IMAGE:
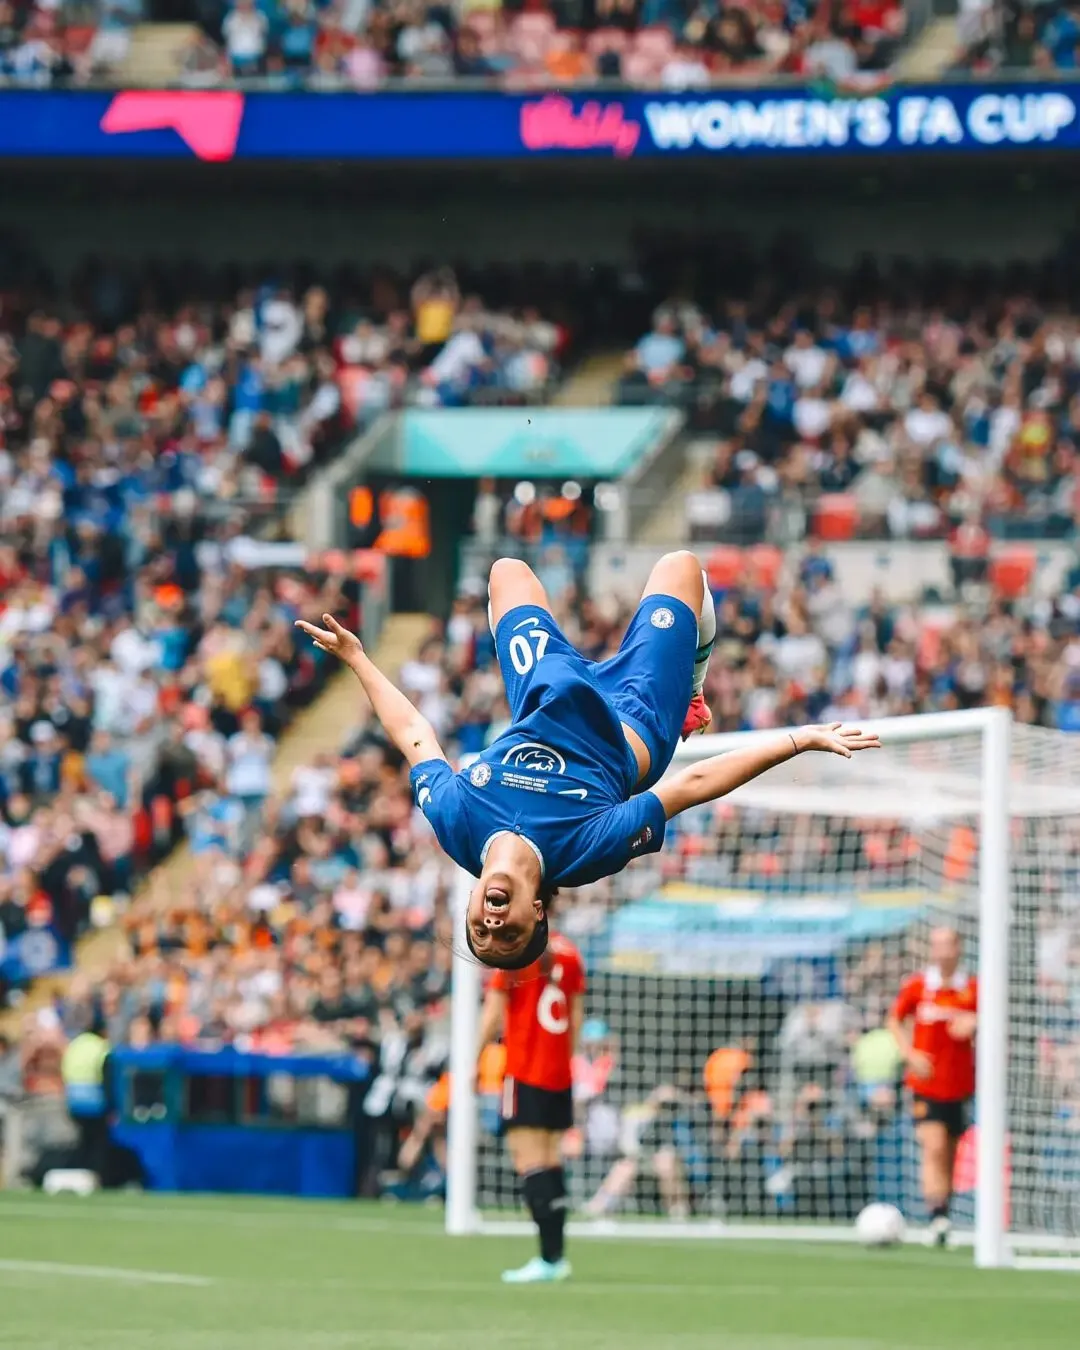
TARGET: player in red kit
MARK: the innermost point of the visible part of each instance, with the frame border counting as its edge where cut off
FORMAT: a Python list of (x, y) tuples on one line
[(538, 1012), (934, 1021)]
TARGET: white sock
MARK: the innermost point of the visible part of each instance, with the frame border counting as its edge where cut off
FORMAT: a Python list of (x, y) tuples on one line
[(706, 636)]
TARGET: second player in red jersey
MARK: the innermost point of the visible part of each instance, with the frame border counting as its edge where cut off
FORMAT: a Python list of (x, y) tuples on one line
[(538, 1012), (934, 1021), (537, 1030)]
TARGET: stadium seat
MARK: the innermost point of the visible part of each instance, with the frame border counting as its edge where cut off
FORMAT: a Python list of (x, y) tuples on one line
[(1011, 572), (836, 516), (724, 567), (763, 564)]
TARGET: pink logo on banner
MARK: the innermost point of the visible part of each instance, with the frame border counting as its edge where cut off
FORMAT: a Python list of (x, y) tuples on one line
[(552, 124), (207, 123)]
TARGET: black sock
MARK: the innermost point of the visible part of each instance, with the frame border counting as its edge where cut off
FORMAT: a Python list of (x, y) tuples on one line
[(940, 1211), (545, 1195)]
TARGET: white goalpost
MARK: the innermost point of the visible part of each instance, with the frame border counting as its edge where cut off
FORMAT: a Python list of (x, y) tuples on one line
[(737, 1079)]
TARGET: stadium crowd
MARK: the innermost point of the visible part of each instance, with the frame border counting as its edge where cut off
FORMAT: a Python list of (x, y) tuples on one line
[(1013, 36), (907, 404), (142, 667), (319, 921), (672, 44), (53, 42), (140, 658)]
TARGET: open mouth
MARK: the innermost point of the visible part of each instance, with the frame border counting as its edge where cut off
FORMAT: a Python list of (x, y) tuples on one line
[(496, 898)]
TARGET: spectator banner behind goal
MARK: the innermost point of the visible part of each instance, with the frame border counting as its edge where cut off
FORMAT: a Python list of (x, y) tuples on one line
[(221, 125)]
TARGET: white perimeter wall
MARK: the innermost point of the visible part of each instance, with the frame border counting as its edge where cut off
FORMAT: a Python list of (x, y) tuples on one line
[(902, 570)]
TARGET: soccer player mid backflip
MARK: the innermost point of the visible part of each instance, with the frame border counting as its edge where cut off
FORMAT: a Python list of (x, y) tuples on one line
[(571, 791)]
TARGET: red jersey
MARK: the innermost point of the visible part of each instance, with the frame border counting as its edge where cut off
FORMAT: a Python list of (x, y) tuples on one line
[(537, 1031), (933, 1001)]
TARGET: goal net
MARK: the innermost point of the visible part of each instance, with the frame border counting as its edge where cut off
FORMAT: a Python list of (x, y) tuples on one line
[(735, 1075)]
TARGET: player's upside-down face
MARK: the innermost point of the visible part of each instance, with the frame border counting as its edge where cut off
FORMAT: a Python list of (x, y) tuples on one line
[(504, 910)]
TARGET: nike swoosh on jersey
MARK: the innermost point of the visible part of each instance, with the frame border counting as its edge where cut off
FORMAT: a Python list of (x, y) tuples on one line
[(574, 792), (533, 618)]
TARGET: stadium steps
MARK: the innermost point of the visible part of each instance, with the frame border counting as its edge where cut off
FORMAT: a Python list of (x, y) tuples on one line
[(154, 58), (932, 51), (322, 726), (666, 526), (592, 384)]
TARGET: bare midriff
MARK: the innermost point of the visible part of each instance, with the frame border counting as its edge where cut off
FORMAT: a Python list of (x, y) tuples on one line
[(640, 749)]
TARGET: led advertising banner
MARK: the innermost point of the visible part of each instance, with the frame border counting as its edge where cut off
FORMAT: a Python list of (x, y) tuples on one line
[(221, 125)]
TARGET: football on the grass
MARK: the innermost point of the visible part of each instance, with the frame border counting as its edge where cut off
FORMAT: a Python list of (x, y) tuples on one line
[(880, 1226)]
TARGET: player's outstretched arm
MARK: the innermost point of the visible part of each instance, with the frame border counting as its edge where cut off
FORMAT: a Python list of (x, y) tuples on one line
[(410, 731), (721, 774)]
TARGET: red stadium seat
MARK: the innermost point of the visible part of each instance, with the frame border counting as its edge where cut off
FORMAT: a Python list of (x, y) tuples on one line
[(836, 516), (763, 564), (724, 567), (1011, 572)]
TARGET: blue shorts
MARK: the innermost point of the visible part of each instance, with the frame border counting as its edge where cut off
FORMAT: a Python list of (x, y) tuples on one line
[(649, 680), (647, 683)]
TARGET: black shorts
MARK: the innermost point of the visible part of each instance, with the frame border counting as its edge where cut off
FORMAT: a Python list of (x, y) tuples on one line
[(536, 1108), (953, 1115)]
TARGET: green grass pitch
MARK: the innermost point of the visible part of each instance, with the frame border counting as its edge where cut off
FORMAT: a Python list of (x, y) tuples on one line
[(153, 1272)]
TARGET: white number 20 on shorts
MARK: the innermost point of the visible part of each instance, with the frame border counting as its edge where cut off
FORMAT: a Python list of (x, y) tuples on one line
[(521, 654)]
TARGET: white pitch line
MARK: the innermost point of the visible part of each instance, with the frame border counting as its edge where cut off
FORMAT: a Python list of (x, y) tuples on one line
[(119, 1273)]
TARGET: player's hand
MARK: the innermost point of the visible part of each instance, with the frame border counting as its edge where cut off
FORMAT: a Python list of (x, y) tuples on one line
[(835, 739), (962, 1026), (335, 639), (920, 1064)]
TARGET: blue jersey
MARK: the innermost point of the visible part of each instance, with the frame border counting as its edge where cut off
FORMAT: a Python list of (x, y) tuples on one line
[(563, 776)]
